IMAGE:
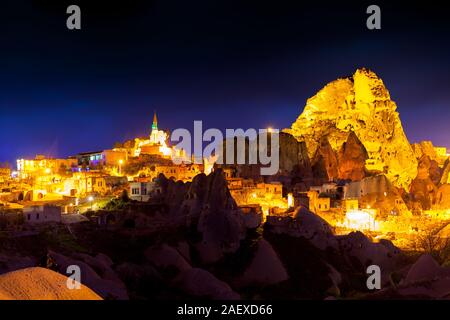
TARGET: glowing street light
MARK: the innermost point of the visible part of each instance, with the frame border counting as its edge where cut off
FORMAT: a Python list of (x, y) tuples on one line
[(120, 166), (91, 200), (290, 200), (360, 220)]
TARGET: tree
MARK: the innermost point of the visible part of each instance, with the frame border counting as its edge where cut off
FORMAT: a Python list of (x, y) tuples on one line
[(430, 241)]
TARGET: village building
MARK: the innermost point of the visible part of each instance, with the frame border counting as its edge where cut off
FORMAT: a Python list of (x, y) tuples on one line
[(42, 166), (318, 202), (42, 214), (350, 204), (90, 159), (5, 174), (143, 191), (115, 157)]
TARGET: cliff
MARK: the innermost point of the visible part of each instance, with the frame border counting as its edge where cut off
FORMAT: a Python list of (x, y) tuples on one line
[(362, 104)]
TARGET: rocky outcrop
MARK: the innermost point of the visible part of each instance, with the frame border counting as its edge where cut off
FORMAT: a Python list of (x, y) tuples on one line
[(428, 169), (426, 148), (324, 162), (97, 274), (207, 205), (220, 223), (142, 280), (41, 284), (445, 178), (443, 197), (303, 223), (184, 249), (361, 104), (352, 159), (265, 268), (423, 189), (357, 248), (323, 260), (426, 279), (253, 219), (293, 159), (164, 256), (201, 283), (426, 268), (423, 167), (435, 172), (178, 273)]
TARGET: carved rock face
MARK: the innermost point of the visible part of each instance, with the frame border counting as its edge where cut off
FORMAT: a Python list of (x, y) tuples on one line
[(424, 148), (293, 159), (206, 202), (352, 159), (325, 163), (361, 104), (445, 178), (443, 197), (428, 168), (423, 188)]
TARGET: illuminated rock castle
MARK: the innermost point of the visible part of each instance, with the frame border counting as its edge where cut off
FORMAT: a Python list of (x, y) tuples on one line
[(361, 104)]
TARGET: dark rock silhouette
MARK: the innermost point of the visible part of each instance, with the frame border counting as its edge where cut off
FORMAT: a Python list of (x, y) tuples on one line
[(352, 159), (324, 162)]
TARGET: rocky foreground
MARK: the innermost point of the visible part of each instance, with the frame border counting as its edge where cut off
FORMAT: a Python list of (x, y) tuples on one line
[(40, 284), (211, 253)]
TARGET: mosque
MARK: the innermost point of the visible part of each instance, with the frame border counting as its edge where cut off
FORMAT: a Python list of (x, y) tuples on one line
[(156, 144)]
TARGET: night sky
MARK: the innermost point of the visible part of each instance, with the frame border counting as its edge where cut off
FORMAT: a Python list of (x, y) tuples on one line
[(232, 64)]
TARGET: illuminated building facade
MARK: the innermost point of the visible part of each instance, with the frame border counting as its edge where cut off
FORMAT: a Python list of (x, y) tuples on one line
[(41, 166), (5, 174), (156, 144), (441, 152)]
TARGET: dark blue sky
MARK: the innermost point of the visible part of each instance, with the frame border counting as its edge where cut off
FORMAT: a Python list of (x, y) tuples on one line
[(229, 63)]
